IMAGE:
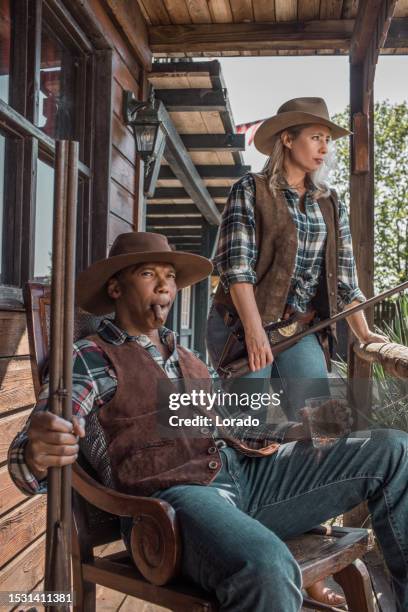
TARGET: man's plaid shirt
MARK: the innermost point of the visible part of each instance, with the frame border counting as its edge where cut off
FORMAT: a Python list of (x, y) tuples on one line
[(237, 253), (94, 384)]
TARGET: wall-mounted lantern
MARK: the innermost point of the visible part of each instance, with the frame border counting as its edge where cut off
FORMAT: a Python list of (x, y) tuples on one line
[(149, 135)]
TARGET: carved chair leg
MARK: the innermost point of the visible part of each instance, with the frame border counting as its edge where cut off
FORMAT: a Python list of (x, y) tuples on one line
[(84, 591), (356, 584)]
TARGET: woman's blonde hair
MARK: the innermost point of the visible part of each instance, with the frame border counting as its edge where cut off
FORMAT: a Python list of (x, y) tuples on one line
[(274, 166)]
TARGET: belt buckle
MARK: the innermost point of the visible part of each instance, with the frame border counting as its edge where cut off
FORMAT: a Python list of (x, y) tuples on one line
[(288, 330)]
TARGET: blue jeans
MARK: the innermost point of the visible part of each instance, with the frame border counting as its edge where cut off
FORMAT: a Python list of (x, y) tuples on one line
[(301, 369), (232, 529)]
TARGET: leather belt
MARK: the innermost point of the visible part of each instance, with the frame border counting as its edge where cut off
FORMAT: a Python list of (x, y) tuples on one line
[(276, 330)]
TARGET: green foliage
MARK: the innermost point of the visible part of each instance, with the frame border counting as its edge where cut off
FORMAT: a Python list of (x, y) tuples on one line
[(392, 410), (391, 189)]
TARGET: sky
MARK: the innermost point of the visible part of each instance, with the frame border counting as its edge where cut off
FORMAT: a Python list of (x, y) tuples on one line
[(257, 86)]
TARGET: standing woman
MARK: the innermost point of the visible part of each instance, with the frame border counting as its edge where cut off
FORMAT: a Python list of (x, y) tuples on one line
[(284, 248)]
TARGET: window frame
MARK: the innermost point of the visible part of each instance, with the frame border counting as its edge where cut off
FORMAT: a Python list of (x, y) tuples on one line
[(27, 142)]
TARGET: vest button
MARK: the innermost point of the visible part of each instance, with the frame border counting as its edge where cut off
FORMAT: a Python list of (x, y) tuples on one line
[(330, 274), (205, 430), (212, 450), (213, 465), (331, 292)]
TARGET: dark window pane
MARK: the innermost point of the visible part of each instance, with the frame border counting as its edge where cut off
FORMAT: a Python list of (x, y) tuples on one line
[(5, 40), (43, 221), (2, 163), (57, 87)]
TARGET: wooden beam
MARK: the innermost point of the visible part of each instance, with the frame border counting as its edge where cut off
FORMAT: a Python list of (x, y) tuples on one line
[(397, 36), (207, 172), (214, 142), (178, 193), (309, 35), (85, 13), (362, 185), (363, 59), (192, 241), (370, 33), (392, 357), (371, 14), (192, 100), (130, 19), (318, 34), (174, 221), (102, 155), (211, 67), (176, 232), (372, 24), (71, 25), (18, 124), (174, 209)]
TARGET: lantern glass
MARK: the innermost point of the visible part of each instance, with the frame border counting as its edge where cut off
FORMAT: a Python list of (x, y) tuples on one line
[(145, 137)]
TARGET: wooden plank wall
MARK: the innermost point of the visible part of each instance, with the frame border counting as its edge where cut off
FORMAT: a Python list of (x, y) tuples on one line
[(124, 187), (22, 519)]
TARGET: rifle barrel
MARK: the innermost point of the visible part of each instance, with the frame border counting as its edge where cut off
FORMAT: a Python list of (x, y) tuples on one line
[(58, 540), (341, 315)]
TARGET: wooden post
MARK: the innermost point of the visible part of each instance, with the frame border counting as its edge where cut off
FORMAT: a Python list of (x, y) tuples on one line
[(202, 290), (362, 226), (362, 181), (139, 211), (370, 31)]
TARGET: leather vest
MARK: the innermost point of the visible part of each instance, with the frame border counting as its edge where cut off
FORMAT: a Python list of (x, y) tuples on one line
[(276, 240), (143, 459)]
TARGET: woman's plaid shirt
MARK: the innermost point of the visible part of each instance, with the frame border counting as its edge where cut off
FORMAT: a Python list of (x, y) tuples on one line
[(237, 253)]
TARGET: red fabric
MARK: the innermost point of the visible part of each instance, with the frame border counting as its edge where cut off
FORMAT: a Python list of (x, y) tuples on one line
[(249, 128)]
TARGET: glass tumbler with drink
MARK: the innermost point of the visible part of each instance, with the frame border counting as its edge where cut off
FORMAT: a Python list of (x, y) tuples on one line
[(328, 419)]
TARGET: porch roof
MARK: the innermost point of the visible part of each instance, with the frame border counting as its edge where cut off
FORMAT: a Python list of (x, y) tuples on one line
[(182, 28)]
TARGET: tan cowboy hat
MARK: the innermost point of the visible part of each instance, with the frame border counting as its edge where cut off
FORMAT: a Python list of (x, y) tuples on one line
[(129, 249), (298, 111)]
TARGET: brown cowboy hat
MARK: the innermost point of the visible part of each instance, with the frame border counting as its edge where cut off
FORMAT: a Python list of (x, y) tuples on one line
[(298, 111), (129, 249)]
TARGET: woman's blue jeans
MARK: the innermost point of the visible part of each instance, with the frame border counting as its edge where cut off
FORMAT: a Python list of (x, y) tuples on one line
[(232, 530), (301, 369)]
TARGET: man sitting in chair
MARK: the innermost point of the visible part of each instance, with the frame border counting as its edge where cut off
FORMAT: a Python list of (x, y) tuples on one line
[(236, 500)]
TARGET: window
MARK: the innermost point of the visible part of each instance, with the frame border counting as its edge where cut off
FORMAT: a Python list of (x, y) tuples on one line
[(48, 91), (186, 331), (43, 221), (186, 308), (5, 46), (57, 87)]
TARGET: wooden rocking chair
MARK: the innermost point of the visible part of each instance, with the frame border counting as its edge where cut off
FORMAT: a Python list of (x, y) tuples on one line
[(153, 573)]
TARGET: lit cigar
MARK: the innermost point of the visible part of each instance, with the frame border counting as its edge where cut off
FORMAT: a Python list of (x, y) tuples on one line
[(157, 309)]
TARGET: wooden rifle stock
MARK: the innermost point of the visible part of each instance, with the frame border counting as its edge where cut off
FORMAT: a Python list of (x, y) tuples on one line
[(58, 538)]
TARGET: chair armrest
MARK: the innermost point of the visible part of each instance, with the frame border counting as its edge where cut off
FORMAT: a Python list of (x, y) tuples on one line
[(155, 538)]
